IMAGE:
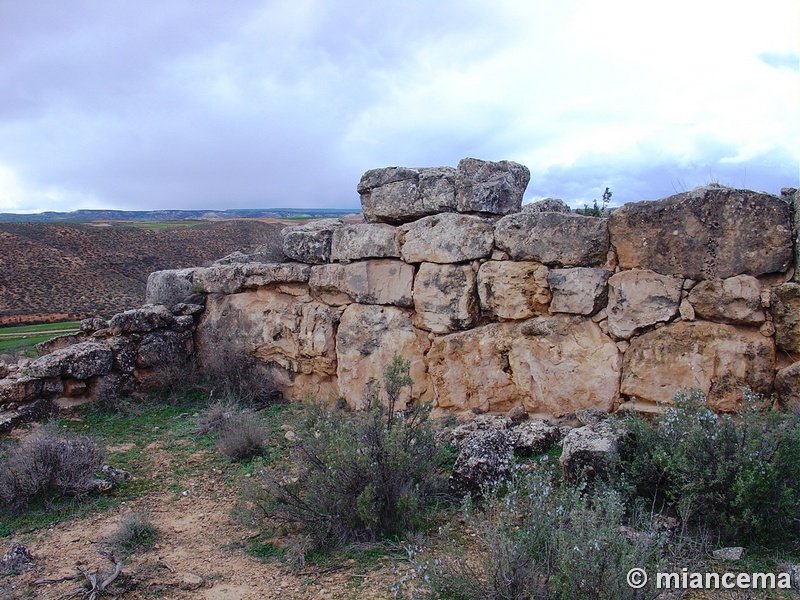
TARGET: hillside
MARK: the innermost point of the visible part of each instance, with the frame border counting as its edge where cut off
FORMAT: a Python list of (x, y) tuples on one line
[(92, 269)]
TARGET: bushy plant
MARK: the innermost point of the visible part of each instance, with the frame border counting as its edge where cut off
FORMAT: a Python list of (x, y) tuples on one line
[(46, 466), (355, 476), (242, 436), (734, 474), (542, 539), (136, 531)]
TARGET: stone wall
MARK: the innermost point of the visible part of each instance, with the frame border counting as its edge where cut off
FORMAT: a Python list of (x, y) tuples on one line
[(496, 305)]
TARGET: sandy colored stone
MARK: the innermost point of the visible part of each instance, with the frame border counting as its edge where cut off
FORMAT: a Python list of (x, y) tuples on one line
[(379, 281), (367, 339), (400, 194), (785, 310), (735, 300), (364, 240), (556, 364), (444, 297), (555, 239), (640, 298), (447, 238), (293, 335), (710, 232), (513, 290), (720, 360), (787, 386), (580, 290)]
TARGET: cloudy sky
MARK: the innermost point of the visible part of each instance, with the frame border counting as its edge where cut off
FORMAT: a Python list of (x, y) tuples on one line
[(150, 104)]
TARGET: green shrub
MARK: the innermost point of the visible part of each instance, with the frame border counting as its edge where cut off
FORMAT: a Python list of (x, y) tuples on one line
[(242, 436), (46, 466), (135, 531), (734, 474), (541, 539), (355, 476)]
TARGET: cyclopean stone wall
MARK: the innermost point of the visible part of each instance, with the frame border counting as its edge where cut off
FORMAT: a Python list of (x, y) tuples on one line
[(496, 305)]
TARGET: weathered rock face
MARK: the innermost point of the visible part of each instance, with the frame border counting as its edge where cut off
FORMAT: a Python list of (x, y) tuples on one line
[(580, 291), (399, 195), (162, 348), (719, 360), (447, 238), (640, 298), (710, 232), (557, 364), (490, 187), (513, 290), (169, 287), (235, 277), (379, 281), (141, 320), (80, 361), (293, 334), (787, 386), (367, 339), (485, 459), (445, 298), (589, 452), (364, 240), (555, 239), (785, 309), (736, 300), (547, 205), (310, 243)]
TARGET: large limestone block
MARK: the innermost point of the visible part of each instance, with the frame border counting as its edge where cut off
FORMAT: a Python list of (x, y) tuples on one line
[(164, 348), (364, 240), (310, 243), (785, 309), (547, 205), (710, 232), (720, 360), (787, 386), (141, 320), (294, 335), (580, 290), (380, 281), (735, 300), (79, 361), (169, 287), (555, 239), (367, 339), (399, 194), (447, 238), (640, 298), (513, 290), (490, 187), (445, 298), (232, 278), (557, 364)]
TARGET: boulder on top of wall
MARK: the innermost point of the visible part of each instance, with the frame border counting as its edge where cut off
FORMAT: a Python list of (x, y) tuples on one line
[(555, 239), (310, 243), (710, 232), (234, 277), (365, 240), (580, 290), (263, 253), (169, 287), (785, 310), (490, 187), (557, 364), (59, 342), (141, 320), (379, 281), (446, 238), (640, 298), (399, 194), (444, 297), (513, 290), (80, 361), (366, 341), (735, 300), (547, 205), (719, 360)]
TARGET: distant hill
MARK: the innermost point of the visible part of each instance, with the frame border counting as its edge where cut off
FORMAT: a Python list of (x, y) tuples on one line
[(84, 216), (87, 269)]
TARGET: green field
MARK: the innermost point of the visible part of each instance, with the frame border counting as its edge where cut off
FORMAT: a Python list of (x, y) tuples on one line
[(23, 338)]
